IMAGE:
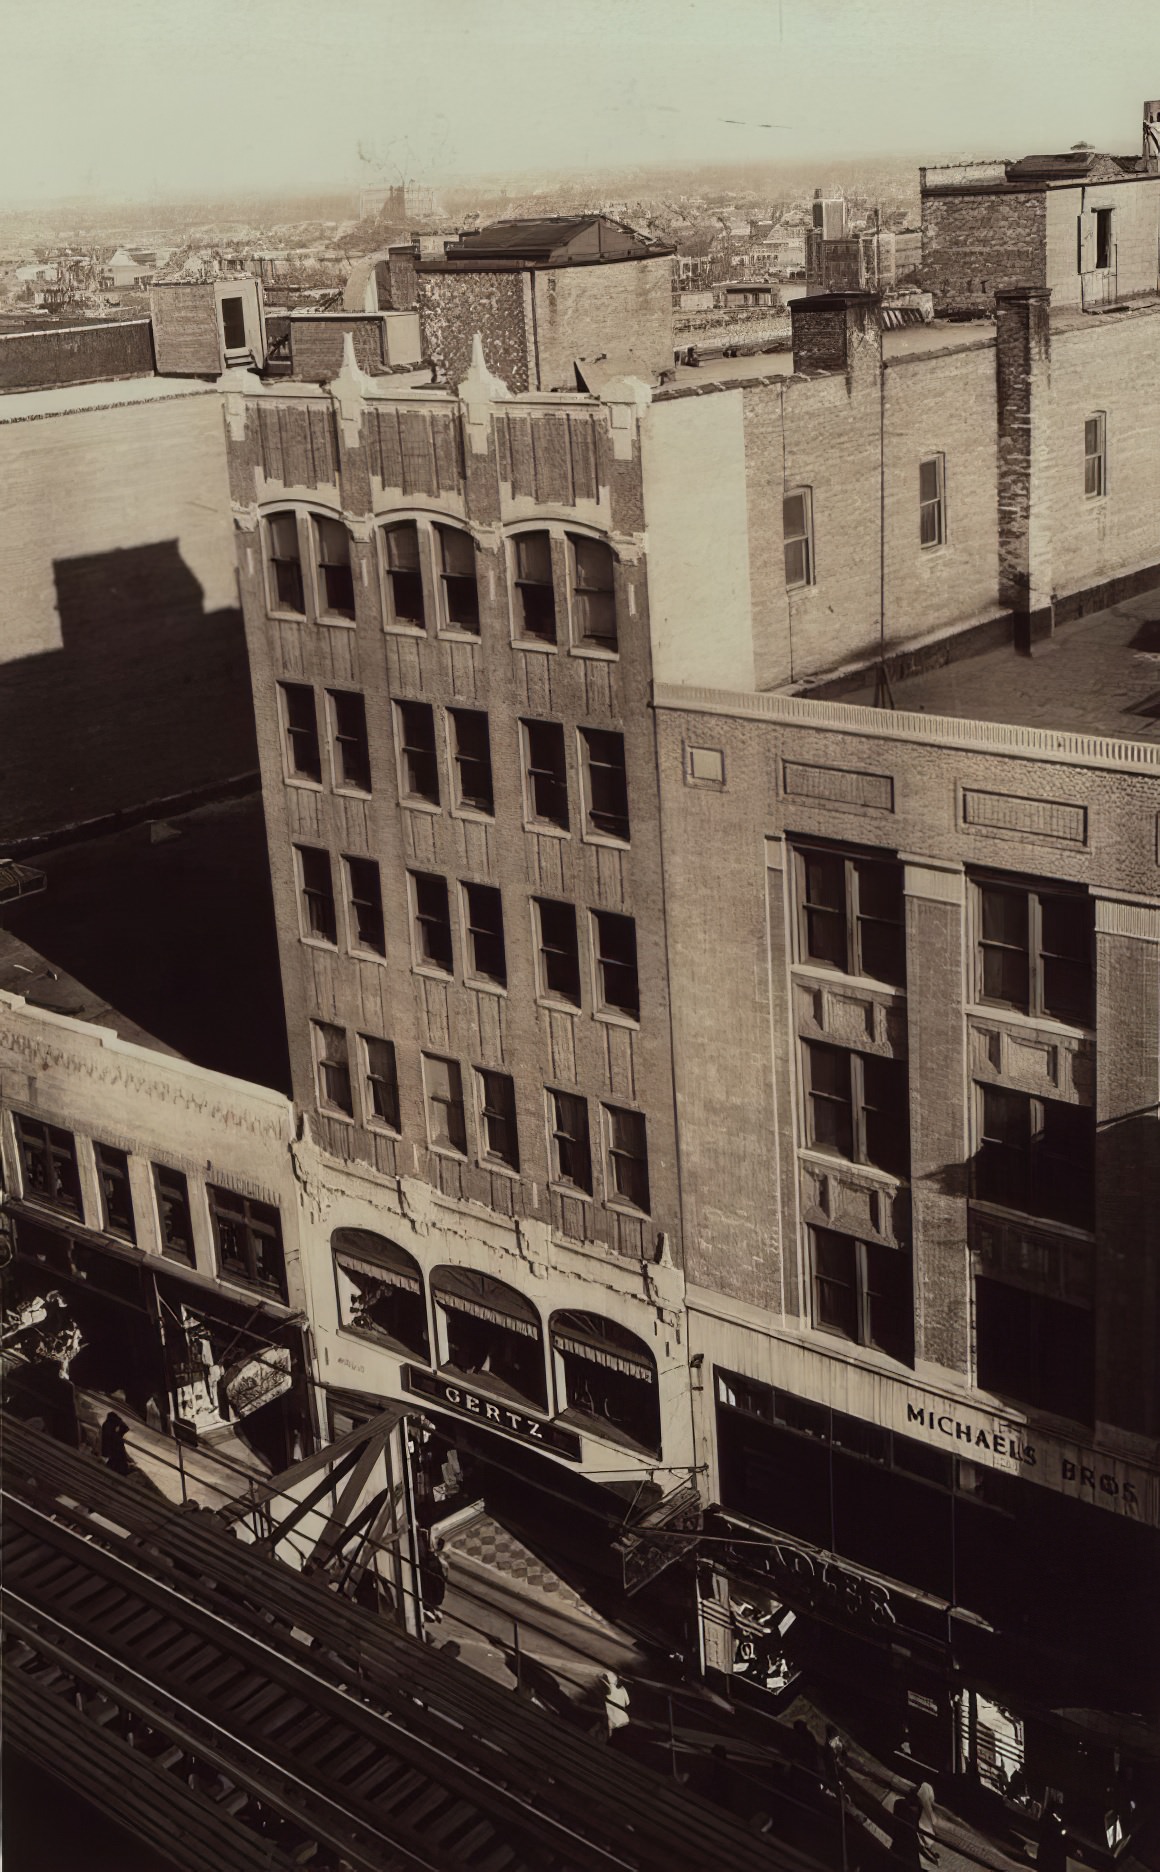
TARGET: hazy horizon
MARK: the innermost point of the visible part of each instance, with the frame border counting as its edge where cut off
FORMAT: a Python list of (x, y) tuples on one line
[(135, 102)]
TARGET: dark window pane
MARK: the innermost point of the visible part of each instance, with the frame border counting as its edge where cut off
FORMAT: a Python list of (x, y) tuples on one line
[(366, 904), (432, 921), (116, 1200), (1006, 976), (547, 773), (607, 782), (1034, 1349), (886, 1114), (889, 1301), (928, 480), (535, 594), (559, 950), (173, 1213), (352, 756), (233, 323), (628, 1156), (382, 1081), (301, 718), (1002, 1163), (485, 932), (1066, 947), (472, 759), (571, 1147), (1063, 1164), (460, 591), (318, 894), (1004, 914), (835, 1283), (285, 564), (498, 1110), (404, 579), (616, 962), (831, 1110), (881, 942), (824, 897), (336, 585), (334, 1087), (420, 766), (593, 598), (448, 1125)]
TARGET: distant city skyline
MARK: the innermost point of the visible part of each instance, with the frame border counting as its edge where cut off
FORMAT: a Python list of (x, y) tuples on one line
[(132, 100)]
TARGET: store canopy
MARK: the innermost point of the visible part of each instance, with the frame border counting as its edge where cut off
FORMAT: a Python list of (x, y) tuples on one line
[(602, 1342), (360, 1251), (465, 1291)]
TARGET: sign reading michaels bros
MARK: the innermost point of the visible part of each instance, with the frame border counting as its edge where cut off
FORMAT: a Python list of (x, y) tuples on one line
[(1071, 1470)]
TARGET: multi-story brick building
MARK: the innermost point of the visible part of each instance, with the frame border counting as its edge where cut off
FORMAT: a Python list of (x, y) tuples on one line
[(851, 1016)]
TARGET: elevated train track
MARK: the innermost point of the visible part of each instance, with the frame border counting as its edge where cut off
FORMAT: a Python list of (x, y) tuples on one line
[(235, 1714)]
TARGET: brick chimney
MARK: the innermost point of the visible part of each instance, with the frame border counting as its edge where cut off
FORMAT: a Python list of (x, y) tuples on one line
[(836, 332)]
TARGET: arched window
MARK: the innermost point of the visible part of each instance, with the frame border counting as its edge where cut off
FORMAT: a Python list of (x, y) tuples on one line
[(308, 566), (429, 564), (593, 594), (380, 1290), (607, 1377), (489, 1334)]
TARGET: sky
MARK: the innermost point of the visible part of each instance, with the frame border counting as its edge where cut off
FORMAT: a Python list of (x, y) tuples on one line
[(140, 99)]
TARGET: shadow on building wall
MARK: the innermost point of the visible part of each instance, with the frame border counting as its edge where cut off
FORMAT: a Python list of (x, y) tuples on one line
[(147, 698)]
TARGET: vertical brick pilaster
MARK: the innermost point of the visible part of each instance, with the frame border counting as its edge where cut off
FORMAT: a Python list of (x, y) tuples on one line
[(781, 1040), (935, 914), (1023, 368), (1127, 1164)]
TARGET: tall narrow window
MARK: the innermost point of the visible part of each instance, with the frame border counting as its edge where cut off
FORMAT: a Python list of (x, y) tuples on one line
[(487, 959), (248, 1237), (335, 581), (605, 783), (932, 501), (797, 526), (365, 896), (300, 729), (571, 1146), (497, 1112), (593, 593), (1035, 1348), (1035, 950), (432, 921), (446, 1123), (1095, 460), (418, 763), (173, 1213), (381, 1082), (858, 1106), (535, 593), (850, 914), (627, 1157), (472, 748), (1036, 1155), (287, 589), (352, 754), (318, 915), (619, 989), (1104, 248), (404, 578), (48, 1160), (333, 1062), (457, 570), (559, 951), (116, 1198), (546, 773)]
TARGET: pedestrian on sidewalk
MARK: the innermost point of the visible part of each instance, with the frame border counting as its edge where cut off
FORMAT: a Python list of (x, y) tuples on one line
[(433, 1577), (615, 1703), (905, 1839), (114, 1430)]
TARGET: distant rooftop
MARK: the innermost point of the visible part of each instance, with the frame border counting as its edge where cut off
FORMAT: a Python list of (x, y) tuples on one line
[(1065, 169), (25, 972), (554, 240), (1097, 675)]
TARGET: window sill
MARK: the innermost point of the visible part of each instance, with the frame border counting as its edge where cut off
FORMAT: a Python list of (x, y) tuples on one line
[(447, 633), (596, 652), (368, 955), (473, 815), (56, 1210), (406, 630), (482, 986), (619, 1205), (545, 829), (1022, 1218), (336, 1116), (498, 1167), (419, 805), (432, 974), (338, 623), (304, 783), (612, 1017), (572, 1191), (536, 645), (999, 1010), (559, 1007), (381, 1128), (287, 617), (319, 942), (445, 1150), (802, 591), (607, 840), (823, 973), (886, 1361), (353, 792), (832, 1160)]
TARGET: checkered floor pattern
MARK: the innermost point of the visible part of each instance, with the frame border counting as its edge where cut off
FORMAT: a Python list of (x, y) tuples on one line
[(486, 1542)]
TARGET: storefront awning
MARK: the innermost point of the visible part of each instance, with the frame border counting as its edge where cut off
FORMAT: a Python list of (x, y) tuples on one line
[(467, 1292), (380, 1271), (599, 1352)]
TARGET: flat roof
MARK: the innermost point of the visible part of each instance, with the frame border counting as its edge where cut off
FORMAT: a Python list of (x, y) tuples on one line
[(897, 344), (109, 393), (25, 972), (1097, 675)]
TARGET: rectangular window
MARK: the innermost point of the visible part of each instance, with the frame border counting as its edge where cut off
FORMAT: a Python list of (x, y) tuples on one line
[(404, 578), (365, 897), (352, 754), (535, 591), (497, 1110), (300, 731), (546, 773), (605, 783), (318, 915), (335, 581), (487, 959), (932, 501), (858, 1106), (248, 1238), (1036, 1156), (863, 1292), (593, 593), (559, 950), (234, 323), (285, 563), (1095, 457), (1103, 237), (616, 976), (471, 745), (1035, 951), (850, 914), (446, 1123), (1034, 1349), (381, 1082), (571, 1146), (418, 762), (432, 922), (457, 571), (116, 1197), (797, 527), (332, 1059), (173, 1214), (627, 1157)]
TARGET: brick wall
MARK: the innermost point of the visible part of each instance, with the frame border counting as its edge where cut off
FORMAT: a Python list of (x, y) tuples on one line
[(123, 650), (734, 1017), (186, 334), (1135, 207), (316, 345), (454, 306), (37, 360), (974, 246), (622, 309)]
